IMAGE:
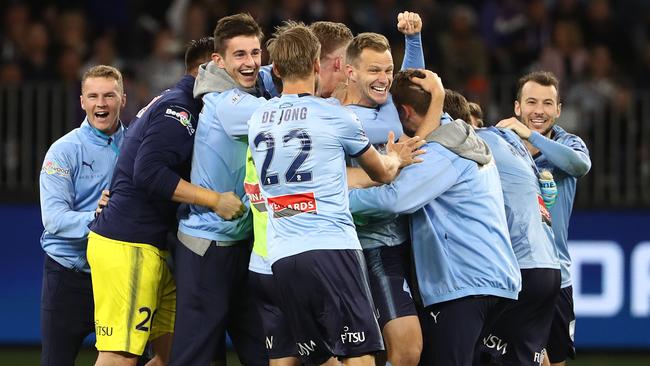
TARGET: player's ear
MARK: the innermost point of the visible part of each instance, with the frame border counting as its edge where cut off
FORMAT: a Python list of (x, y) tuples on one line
[(349, 72), (517, 109), (276, 71), (559, 110), (218, 60), (338, 61), (317, 65)]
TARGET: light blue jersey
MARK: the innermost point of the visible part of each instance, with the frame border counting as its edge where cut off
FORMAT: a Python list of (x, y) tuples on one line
[(76, 169), (390, 230), (528, 218), (219, 157), (377, 122), (567, 157), (459, 232), (299, 144)]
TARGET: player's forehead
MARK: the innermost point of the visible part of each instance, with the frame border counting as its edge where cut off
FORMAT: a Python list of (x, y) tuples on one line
[(369, 56), (242, 43), (537, 91), (100, 84)]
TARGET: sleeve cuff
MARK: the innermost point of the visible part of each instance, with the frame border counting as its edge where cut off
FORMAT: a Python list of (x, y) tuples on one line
[(362, 151)]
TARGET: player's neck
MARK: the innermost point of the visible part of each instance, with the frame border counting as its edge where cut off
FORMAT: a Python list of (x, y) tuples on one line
[(299, 86)]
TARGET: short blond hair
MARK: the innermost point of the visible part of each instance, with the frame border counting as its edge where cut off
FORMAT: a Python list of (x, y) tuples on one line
[(331, 36), (293, 50), (103, 71), (373, 41)]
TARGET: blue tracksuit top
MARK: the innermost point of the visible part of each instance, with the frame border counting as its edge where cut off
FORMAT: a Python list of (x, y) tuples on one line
[(528, 219), (154, 157), (567, 157), (76, 168), (459, 232)]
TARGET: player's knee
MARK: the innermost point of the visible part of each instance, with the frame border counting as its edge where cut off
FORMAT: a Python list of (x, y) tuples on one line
[(406, 354)]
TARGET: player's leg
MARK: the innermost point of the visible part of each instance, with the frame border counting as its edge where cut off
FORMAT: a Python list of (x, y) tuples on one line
[(523, 328), (327, 301), (67, 313), (279, 343), (126, 282), (397, 316), (245, 326), (560, 340), (451, 329), (204, 284)]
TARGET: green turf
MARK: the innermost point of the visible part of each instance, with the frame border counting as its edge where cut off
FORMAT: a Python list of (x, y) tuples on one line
[(30, 357)]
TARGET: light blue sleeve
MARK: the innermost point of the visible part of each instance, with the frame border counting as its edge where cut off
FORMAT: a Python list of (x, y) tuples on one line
[(57, 193), (415, 186), (350, 133), (234, 109), (572, 157), (413, 54)]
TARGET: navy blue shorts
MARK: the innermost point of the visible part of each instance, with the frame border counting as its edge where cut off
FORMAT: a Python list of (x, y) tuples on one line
[(326, 298), (387, 271), (67, 312), (451, 330), (213, 296), (560, 340), (279, 341), (521, 332)]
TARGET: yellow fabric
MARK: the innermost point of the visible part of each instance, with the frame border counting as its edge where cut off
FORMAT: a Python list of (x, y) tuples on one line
[(134, 293), (260, 218)]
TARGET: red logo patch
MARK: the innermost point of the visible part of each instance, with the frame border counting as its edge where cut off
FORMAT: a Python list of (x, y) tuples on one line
[(293, 204), (255, 196), (546, 215)]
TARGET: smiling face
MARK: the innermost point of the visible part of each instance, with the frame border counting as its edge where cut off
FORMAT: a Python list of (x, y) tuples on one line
[(372, 75), (538, 107), (241, 59), (102, 99)]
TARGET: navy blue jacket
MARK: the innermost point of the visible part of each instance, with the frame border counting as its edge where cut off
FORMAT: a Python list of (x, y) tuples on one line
[(155, 155)]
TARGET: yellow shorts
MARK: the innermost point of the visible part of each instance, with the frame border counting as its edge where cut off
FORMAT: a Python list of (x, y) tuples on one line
[(134, 292)]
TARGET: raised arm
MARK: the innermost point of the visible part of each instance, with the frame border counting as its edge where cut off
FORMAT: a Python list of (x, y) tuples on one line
[(410, 24)]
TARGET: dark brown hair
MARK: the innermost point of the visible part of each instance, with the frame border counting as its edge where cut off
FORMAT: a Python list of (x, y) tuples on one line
[(229, 27), (544, 78)]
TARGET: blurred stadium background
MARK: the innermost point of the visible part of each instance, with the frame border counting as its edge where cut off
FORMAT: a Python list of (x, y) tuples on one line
[(600, 49)]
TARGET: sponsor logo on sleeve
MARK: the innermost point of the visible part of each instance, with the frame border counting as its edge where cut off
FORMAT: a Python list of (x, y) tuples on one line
[(182, 115), (51, 167), (255, 196), (293, 204)]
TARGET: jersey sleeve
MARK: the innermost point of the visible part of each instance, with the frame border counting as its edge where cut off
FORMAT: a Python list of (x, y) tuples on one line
[(569, 153), (166, 144), (414, 187), (350, 134), (234, 110), (413, 54), (57, 195)]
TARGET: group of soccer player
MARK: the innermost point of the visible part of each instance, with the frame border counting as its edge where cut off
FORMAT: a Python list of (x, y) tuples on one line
[(319, 210)]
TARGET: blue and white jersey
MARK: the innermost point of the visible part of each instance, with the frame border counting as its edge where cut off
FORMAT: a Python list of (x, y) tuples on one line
[(567, 157), (76, 168), (299, 144), (528, 218), (390, 230), (459, 232)]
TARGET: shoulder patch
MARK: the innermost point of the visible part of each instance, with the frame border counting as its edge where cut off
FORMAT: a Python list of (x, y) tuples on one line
[(182, 115), (51, 167)]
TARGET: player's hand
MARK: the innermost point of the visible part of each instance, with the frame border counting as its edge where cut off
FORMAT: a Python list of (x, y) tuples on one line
[(229, 206), (519, 128), (407, 150), (548, 188), (430, 82), (103, 201), (409, 23)]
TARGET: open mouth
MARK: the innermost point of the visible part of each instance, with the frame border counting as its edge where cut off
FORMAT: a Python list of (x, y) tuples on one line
[(101, 114), (247, 73), (379, 89)]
